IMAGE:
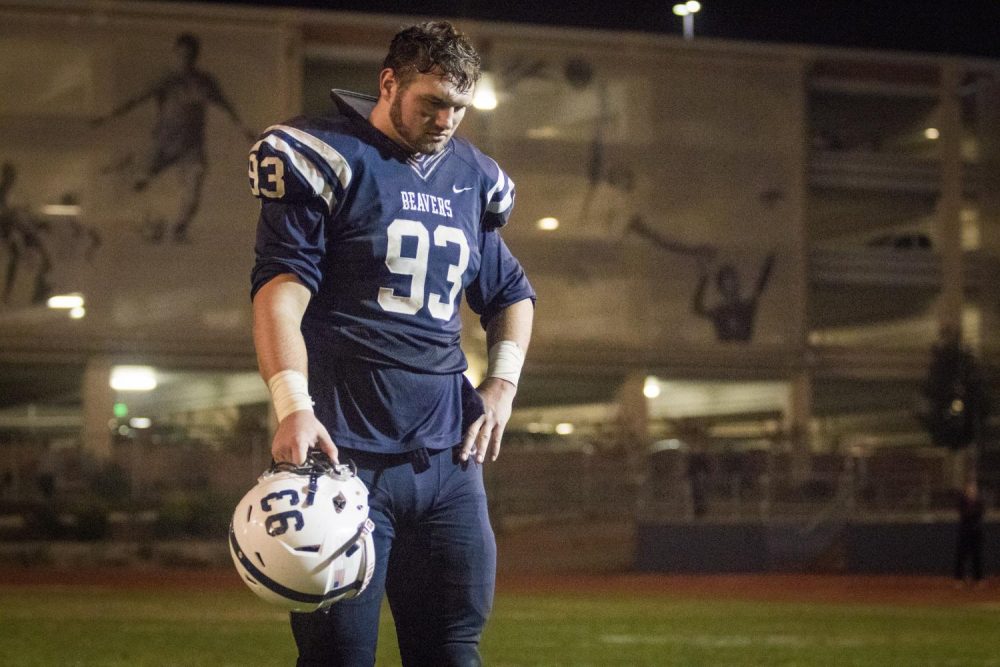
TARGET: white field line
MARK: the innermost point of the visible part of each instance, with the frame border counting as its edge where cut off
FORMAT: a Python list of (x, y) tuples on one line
[(738, 641)]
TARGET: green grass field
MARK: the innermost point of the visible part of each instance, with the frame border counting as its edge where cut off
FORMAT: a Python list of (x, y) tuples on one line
[(49, 625)]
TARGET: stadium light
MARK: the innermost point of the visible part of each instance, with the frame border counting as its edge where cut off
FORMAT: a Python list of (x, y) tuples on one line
[(133, 378), (548, 224), (71, 210), (686, 11), (65, 301), (651, 387), (485, 97)]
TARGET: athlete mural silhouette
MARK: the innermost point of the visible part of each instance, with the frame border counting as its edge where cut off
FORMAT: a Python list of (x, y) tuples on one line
[(21, 238), (28, 239), (182, 98), (703, 252), (734, 315)]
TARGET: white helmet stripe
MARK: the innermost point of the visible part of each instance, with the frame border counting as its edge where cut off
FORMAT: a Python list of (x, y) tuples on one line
[(284, 591)]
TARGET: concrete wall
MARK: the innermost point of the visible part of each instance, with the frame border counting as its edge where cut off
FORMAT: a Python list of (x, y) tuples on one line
[(861, 547)]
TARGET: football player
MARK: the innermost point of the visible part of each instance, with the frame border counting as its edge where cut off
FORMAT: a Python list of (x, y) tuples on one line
[(375, 220)]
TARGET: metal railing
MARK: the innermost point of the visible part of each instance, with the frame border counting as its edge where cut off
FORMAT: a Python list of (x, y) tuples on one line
[(532, 481)]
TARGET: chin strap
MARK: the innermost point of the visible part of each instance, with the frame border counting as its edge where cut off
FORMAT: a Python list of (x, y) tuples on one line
[(313, 476)]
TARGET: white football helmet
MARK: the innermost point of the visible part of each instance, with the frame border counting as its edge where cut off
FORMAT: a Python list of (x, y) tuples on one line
[(301, 537)]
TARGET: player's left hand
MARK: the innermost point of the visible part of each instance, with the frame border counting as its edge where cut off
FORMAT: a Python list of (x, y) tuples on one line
[(484, 434)]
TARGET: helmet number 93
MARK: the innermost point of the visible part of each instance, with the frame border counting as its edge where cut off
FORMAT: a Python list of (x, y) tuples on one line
[(278, 523)]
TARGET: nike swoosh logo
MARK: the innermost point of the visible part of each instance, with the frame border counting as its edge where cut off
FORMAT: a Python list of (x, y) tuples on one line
[(458, 190)]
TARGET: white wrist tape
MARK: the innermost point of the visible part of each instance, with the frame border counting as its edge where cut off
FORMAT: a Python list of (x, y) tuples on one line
[(505, 361), (290, 393)]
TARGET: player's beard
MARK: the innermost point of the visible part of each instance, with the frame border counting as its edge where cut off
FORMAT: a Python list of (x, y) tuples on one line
[(421, 143)]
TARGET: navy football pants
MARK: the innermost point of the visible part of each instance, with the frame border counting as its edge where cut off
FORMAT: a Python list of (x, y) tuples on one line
[(435, 560)]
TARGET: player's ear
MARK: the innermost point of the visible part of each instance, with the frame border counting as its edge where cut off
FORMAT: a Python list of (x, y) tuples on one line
[(387, 83)]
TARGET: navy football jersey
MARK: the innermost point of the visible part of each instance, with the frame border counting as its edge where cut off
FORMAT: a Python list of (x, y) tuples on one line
[(387, 243)]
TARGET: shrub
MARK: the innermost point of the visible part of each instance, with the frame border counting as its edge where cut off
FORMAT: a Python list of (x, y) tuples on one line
[(92, 521), (196, 514)]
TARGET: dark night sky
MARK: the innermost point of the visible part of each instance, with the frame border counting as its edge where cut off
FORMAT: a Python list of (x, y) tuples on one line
[(947, 26)]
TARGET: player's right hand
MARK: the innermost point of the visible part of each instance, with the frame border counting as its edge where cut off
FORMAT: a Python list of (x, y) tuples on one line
[(296, 434)]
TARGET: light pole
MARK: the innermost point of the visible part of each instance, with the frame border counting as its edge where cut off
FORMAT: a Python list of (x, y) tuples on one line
[(687, 10)]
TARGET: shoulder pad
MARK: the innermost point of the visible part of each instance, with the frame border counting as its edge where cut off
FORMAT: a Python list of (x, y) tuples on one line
[(296, 162)]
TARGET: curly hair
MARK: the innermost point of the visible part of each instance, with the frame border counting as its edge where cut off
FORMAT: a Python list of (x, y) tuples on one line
[(434, 44)]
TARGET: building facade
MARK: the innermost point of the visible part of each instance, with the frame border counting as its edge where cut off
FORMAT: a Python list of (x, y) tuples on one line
[(736, 248)]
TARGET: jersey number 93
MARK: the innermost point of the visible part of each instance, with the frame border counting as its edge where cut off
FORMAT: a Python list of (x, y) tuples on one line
[(272, 171), (440, 307)]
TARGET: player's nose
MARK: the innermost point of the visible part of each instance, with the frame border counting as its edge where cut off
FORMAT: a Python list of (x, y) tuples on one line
[(444, 119)]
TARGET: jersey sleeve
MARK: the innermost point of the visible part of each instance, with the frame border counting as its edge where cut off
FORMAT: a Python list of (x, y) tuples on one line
[(289, 164), (499, 197), (290, 239), (501, 281), (299, 179)]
